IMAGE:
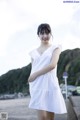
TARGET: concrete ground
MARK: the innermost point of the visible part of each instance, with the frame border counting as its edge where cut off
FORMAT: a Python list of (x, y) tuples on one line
[(17, 109)]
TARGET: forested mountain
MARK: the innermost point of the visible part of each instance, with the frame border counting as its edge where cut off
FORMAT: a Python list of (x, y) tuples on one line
[(16, 80), (70, 62)]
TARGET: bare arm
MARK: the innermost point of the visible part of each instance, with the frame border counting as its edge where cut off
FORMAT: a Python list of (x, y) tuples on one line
[(52, 65)]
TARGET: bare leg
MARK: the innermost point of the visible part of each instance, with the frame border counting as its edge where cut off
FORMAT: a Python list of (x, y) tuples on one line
[(45, 115), (50, 115)]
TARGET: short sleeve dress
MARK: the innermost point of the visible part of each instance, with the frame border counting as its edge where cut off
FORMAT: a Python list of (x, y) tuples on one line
[(45, 92)]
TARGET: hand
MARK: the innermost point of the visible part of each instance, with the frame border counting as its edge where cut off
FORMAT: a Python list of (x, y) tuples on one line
[(32, 77)]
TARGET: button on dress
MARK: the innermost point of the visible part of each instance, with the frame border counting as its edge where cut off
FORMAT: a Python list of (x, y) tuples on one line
[(45, 92)]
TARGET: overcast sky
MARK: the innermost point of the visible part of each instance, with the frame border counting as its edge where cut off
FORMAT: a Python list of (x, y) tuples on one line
[(19, 20)]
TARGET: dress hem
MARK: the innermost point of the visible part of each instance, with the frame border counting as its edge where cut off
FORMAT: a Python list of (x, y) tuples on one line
[(48, 110)]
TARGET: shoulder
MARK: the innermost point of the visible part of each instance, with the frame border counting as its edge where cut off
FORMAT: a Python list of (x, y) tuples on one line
[(57, 48), (32, 53)]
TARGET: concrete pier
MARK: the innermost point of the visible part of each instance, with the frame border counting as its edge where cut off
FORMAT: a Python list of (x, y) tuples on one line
[(17, 109)]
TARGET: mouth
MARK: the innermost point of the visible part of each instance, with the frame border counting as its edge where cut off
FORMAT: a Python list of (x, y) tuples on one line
[(45, 39)]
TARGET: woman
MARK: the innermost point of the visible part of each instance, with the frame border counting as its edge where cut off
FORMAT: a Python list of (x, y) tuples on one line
[(44, 88)]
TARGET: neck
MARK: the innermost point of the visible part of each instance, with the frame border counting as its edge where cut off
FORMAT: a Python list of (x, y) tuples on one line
[(45, 44)]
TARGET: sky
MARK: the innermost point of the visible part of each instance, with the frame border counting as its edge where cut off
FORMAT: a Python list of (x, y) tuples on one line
[(19, 20)]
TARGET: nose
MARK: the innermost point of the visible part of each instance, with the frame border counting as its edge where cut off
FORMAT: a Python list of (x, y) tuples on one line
[(45, 35)]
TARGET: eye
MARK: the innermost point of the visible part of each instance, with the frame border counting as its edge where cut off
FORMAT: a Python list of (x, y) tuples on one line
[(45, 32)]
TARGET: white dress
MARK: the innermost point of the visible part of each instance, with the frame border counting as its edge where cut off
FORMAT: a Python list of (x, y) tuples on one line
[(44, 90)]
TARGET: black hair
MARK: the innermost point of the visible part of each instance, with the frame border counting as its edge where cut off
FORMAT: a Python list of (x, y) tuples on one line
[(44, 28)]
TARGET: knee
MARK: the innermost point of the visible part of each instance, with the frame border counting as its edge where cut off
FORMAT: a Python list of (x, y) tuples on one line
[(44, 117)]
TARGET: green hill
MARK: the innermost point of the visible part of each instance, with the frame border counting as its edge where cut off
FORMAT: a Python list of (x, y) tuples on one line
[(70, 62), (15, 80)]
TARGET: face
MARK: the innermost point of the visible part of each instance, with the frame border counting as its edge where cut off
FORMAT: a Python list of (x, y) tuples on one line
[(44, 37)]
